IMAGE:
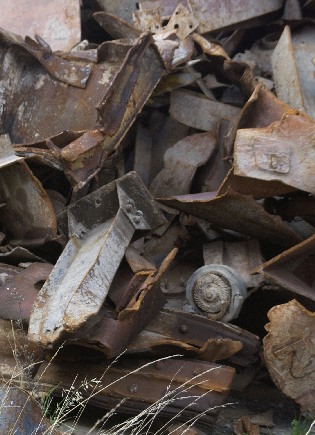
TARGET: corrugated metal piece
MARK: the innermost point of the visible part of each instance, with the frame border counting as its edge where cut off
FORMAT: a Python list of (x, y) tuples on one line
[(101, 226), (293, 69)]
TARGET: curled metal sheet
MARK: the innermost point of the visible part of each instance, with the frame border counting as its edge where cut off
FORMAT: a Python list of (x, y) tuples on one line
[(293, 269), (289, 352), (236, 212), (194, 330), (101, 226)]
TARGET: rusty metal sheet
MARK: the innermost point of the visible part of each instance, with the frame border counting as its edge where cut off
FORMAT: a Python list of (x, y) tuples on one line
[(121, 8), (28, 215), (120, 85), (166, 7), (213, 15), (293, 69), (137, 300), (180, 164), (195, 388), (101, 226), (148, 342), (196, 331), (22, 414), (236, 212), (289, 352), (255, 187), (242, 256), (284, 151), (17, 295), (56, 21), (293, 269), (198, 111)]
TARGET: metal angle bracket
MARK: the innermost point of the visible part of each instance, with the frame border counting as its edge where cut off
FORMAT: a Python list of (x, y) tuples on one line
[(100, 226)]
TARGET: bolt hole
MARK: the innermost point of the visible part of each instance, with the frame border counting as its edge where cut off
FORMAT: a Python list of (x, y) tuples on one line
[(176, 26), (98, 202)]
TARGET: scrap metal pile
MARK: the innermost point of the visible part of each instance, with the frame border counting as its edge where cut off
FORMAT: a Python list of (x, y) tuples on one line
[(157, 198)]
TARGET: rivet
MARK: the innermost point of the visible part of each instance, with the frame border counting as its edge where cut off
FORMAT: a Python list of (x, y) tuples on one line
[(133, 389), (128, 208), (183, 328), (139, 213), (136, 220)]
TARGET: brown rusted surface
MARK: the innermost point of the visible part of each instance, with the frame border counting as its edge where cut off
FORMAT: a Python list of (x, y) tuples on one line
[(236, 212), (194, 387), (293, 269), (101, 226), (289, 352), (181, 328), (56, 21), (18, 294), (283, 151), (140, 300), (115, 26), (116, 92)]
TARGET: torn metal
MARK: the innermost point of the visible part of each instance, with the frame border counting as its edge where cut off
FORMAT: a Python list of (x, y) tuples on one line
[(174, 330)]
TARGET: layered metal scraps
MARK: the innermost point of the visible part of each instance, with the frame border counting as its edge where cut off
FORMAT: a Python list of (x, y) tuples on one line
[(100, 226)]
